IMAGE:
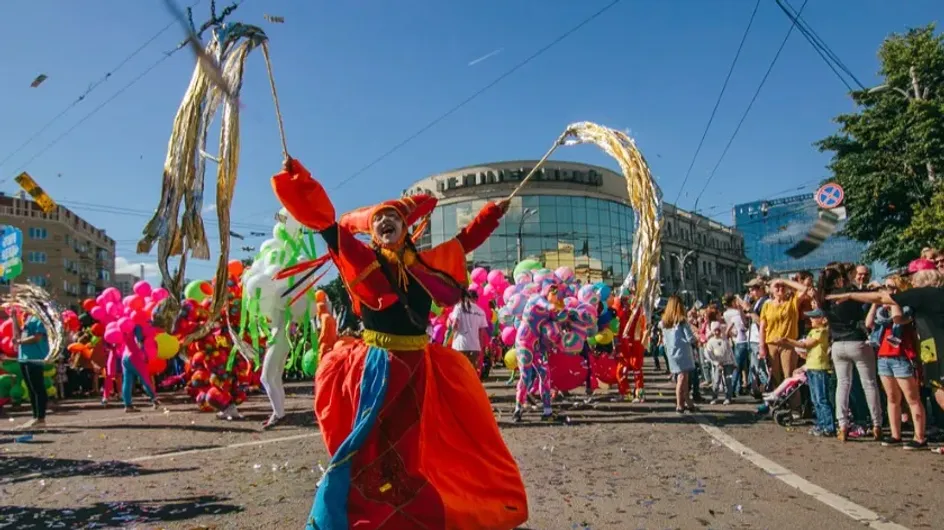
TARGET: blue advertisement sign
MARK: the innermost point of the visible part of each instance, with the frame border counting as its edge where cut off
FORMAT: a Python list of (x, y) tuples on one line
[(11, 252)]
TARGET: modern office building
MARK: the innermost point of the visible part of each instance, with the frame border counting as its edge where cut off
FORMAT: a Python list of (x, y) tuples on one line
[(62, 252), (576, 215), (771, 227)]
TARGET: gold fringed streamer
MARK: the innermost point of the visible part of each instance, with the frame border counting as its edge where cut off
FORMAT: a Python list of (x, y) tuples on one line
[(36, 301), (645, 197), (185, 167)]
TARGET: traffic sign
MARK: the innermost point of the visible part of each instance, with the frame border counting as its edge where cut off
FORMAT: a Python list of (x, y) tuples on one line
[(830, 196)]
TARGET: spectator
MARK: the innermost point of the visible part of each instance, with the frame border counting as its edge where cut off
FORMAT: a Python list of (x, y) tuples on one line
[(678, 338), (862, 277), (818, 367), (896, 355), (756, 298), (721, 357), (467, 324), (780, 319), (736, 328)]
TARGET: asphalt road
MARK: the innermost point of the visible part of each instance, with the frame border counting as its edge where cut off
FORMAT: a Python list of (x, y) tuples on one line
[(615, 466)]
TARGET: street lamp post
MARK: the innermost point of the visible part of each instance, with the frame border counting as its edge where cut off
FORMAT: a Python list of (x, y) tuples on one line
[(918, 95), (526, 213), (682, 259)]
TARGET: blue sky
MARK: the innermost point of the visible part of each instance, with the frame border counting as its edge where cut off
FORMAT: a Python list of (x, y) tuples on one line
[(356, 78)]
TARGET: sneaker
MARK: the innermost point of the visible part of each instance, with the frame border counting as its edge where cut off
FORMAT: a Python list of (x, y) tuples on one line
[(516, 416), (680, 412), (726, 402), (888, 441), (32, 424), (271, 422), (817, 432), (914, 445), (713, 402)]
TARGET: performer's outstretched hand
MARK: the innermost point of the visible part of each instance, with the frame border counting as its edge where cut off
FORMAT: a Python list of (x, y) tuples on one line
[(503, 205)]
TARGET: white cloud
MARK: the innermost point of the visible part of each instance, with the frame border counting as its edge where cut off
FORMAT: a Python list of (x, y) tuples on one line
[(209, 209), (123, 266)]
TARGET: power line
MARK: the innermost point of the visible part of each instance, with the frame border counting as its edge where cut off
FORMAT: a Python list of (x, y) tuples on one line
[(91, 88), (475, 95), (751, 104), (104, 208), (819, 45), (714, 111)]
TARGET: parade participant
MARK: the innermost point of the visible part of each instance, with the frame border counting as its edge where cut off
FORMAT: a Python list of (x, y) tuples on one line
[(404, 420), (273, 367), (134, 366), (33, 349), (112, 372), (631, 351), (537, 334)]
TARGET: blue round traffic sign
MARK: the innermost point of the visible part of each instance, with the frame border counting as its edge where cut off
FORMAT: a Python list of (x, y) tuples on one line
[(830, 196)]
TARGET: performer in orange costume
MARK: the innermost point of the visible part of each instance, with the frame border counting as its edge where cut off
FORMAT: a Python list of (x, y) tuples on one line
[(404, 420), (631, 350)]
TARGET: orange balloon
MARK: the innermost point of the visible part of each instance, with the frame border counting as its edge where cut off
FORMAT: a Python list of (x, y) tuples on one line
[(235, 268), (156, 365)]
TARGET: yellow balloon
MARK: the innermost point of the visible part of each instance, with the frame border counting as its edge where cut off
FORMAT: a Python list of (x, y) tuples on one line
[(511, 359), (604, 337), (167, 345), (49, 371)]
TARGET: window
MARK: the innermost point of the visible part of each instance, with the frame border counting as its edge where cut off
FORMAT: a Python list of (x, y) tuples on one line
[(37, 257), (104, 275), (38, 233), (39, 281)]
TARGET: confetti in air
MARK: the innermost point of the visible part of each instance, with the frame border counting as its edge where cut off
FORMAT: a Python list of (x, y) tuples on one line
[(274, 19)]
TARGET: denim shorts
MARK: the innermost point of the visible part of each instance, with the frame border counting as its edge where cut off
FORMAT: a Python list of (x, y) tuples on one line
[(898, 367)]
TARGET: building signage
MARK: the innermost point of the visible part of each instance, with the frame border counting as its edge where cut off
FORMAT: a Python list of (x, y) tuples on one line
[(587, 177), (11, 252)]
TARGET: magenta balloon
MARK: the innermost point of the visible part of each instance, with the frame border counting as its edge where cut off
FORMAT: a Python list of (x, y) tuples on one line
[(114, 337), (142, 289), (98, 313), (479, 275), (150, 347), (508, 335), (489, 292), (112, 294), (496, 278), (159, 294), (126, 325), (475, 288)]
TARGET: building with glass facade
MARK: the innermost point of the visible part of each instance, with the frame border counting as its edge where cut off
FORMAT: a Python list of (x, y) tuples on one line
[(569, 214), (771, 227)]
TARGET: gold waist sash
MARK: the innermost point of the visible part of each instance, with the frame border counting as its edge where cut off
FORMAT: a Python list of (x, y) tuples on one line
[(388, 341)]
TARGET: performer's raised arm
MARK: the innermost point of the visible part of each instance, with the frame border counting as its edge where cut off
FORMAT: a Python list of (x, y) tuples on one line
[(475, 233), (305, 198)]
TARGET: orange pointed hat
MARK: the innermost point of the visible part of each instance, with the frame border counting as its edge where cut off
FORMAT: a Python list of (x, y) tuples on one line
[(411, 209)]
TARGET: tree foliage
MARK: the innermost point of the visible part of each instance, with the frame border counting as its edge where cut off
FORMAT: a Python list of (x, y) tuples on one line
[(341, 302), (884, 153)]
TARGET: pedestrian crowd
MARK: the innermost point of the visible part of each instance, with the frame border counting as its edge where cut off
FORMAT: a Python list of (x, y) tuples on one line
[(840, 349)]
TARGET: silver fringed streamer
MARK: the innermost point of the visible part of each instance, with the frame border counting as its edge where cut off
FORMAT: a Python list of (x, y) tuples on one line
[(185, 167), (645, 197), (37, 302)]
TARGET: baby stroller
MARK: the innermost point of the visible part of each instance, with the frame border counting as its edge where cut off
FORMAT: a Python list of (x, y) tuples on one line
[(777, 403)]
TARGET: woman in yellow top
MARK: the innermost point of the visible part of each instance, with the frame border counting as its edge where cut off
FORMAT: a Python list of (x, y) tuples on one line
[(780, 319)]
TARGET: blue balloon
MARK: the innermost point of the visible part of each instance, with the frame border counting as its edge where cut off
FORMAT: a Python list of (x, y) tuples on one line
[(603, 289)]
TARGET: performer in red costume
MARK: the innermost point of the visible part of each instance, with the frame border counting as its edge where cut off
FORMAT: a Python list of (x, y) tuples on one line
[(404, 420), (631, 351)]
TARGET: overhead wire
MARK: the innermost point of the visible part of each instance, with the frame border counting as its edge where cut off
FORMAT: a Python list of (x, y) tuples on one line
[(91, 88), (822, 49), (750, 105), (714, 111)]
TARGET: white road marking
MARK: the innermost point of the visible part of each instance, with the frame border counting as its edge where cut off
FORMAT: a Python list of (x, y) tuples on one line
[(836, 502)]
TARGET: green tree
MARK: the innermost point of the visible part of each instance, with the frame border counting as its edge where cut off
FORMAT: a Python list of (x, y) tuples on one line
[(341, 302), (889, 155)]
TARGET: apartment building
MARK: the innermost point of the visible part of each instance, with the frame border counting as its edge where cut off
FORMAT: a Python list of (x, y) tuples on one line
[(62, 252)]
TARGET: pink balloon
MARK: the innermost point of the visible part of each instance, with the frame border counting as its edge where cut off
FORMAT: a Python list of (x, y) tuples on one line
[(508, 335), (475, 288), (509, 291), (479, 275), (488, 292), (98, 313), (114, 337), (142, 288), (496, 278), (159, 294), (115, 309), (112, 295), (126, 325)]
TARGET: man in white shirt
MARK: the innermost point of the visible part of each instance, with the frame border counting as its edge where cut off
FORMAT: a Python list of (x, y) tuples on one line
[(757, 297), (467, 323)]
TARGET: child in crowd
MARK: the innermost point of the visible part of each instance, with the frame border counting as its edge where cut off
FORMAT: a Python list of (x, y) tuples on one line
[(721, 356), (818, 368)]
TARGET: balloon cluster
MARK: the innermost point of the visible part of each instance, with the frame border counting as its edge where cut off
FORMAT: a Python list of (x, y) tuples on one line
[(13, 387), (568, 304), (214, 374), (117, 318)]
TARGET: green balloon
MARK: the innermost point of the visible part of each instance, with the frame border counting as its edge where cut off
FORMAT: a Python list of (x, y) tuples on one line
[(193, 291), (13, 367), (309, 363), (6, 384), (527, 265), (435, 309), (17, 393), (592, 340), (614, 325)]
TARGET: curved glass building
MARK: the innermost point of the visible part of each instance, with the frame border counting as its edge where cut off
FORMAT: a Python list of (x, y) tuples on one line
[(569, 214)]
